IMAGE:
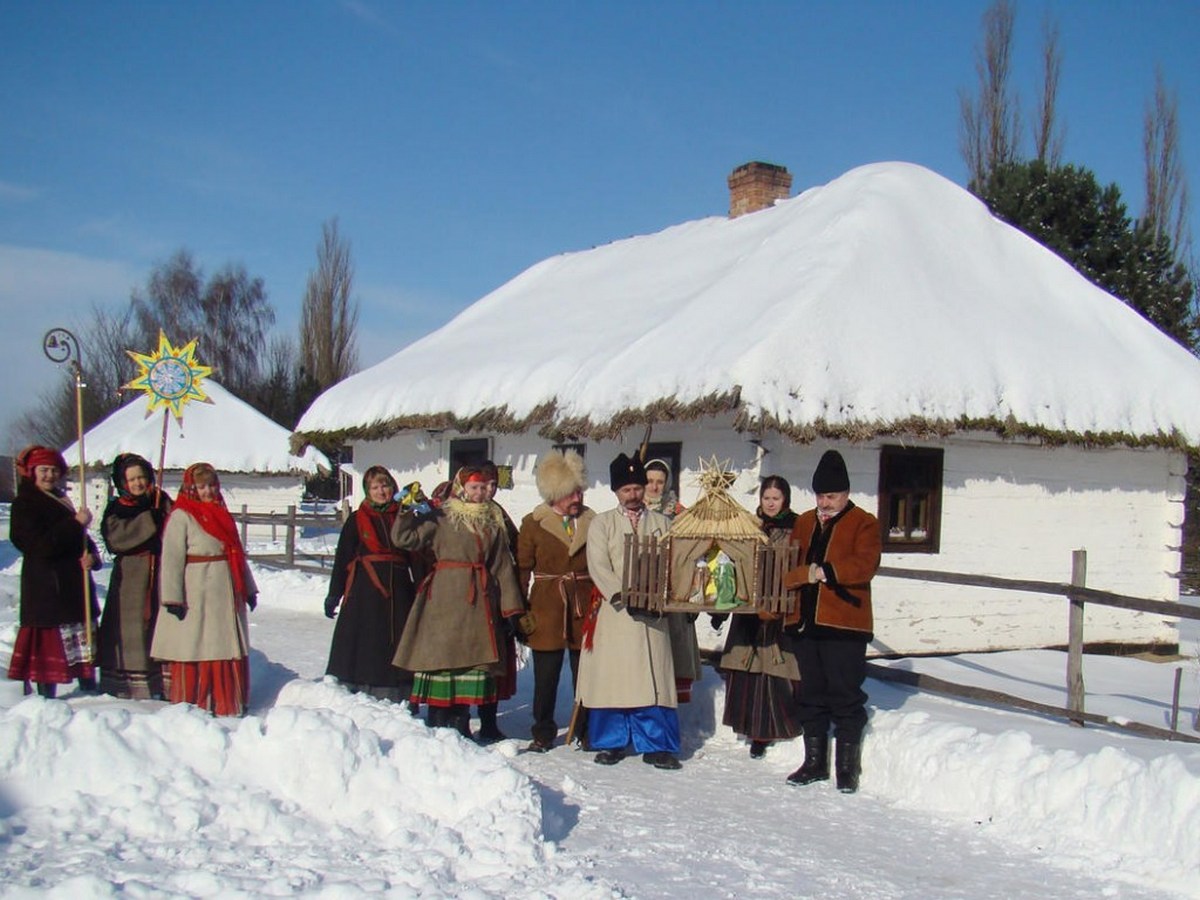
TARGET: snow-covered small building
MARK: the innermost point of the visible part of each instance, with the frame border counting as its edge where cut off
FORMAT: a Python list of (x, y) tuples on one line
[(249, 451), (996, 410)]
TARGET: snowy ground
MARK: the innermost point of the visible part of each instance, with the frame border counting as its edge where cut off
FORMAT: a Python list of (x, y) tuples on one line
[(320, 793)]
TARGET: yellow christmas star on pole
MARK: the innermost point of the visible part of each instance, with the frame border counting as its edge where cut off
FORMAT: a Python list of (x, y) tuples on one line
[(170, 376)]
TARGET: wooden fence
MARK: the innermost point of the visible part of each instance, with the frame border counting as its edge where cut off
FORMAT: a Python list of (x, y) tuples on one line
[(1077, 594), (290, 523)]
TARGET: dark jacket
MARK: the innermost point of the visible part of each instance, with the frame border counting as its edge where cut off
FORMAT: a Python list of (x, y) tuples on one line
[(51, 541)]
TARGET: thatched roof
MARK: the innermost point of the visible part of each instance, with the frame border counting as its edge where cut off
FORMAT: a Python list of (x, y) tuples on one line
[(886, 302)]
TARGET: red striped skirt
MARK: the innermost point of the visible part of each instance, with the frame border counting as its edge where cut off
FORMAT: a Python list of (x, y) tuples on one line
[(221, 686), (39, 656)]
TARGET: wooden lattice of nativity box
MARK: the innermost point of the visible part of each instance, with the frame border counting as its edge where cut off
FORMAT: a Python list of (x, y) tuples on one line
[(715, 558)]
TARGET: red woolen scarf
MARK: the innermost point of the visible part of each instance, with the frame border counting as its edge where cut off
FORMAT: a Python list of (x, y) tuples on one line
[(215, 519)]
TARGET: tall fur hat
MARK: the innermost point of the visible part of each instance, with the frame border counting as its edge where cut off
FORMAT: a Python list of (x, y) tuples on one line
[(830, 476), (559, 474), (626, 470)]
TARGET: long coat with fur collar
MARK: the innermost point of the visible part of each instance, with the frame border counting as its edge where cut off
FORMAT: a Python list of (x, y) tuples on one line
[(630, 664), (455, 617), (553, 572)]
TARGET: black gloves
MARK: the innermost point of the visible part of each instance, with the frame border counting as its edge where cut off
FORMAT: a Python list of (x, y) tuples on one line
[(331, 605), (717, 619), (252, 602), (178, 610)]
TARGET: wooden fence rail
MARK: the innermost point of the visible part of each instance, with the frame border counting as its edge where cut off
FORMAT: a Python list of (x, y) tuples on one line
[(291, 522), (1077, 594)]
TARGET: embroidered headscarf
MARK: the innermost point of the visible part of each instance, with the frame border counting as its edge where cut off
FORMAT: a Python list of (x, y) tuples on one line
[(38, 455), (215, 519), (368, 515)]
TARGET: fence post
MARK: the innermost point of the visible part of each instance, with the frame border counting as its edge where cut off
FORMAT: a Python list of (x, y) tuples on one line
[(243, 524), (291, 535), (1075, 638)]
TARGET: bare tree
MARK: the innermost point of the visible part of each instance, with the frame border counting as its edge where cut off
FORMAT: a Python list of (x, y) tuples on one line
[(990, 124), (329, 316), (1047, 136), (1166, 210)]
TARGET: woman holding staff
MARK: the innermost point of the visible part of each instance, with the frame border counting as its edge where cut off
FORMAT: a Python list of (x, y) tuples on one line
[(52, 645), (132, 528)]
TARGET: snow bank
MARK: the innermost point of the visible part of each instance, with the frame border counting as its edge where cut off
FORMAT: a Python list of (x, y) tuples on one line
[(325, 791), (1105, 808)]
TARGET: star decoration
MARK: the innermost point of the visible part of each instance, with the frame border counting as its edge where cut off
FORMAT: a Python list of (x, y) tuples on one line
[(170, 376), (715, 475)]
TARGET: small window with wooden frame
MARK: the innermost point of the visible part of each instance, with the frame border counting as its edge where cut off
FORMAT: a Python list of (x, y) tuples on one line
[(910, 499)]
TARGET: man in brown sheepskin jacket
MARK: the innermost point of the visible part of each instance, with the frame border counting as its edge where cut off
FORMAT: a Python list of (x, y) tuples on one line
[(552, 569)]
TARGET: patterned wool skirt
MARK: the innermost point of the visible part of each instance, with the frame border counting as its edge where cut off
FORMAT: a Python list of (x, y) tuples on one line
[(454, 687), (221, 686), (761, 707), (50, 655)]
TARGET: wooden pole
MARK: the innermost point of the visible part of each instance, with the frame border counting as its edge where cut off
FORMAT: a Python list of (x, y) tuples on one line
[(291, 535), (162, 448), (1075, 692), (1175, 700), (87, 572)]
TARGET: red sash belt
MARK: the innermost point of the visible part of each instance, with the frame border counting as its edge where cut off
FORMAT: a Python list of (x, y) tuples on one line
[(220, 557), (479, 576), (589, 625), (367, 560)]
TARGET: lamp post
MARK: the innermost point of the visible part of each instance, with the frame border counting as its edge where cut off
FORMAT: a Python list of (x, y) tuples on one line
[(62, 347)]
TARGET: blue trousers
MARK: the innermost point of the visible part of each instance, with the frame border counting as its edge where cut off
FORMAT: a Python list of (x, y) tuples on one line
[(652, 729)]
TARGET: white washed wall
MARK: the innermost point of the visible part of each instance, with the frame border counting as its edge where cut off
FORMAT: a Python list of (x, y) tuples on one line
[(1009, 509)]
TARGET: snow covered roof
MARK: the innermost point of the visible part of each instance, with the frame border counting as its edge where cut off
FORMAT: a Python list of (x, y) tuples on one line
[(887, 301), (228, 433)]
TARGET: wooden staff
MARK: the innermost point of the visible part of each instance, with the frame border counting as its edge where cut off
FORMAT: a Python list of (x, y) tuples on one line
[(87, 572)]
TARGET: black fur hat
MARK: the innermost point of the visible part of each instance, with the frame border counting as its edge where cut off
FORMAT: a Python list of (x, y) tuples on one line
[(831, 475), (626, 470)]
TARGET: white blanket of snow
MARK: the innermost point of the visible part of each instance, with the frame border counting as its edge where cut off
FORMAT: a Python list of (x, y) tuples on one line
[(888, 293), (228, 433), (321, 793)]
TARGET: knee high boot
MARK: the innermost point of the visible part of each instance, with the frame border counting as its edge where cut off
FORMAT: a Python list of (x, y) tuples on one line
[(848, 764), (816, 761), (436, 717), (49, 691)]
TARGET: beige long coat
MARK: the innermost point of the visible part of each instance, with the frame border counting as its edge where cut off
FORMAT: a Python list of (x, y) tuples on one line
[(552, 570), (456, 613), (215, 625), (630, 664)]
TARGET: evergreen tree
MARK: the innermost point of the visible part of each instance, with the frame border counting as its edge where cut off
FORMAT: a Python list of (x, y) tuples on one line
[(1066, 209)]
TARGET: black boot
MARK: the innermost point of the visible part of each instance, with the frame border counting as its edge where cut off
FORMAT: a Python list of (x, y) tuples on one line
[(848, 764), (49, 691), (460, 720), (436, 717), (816, 761), (489, 731), (87, 685)]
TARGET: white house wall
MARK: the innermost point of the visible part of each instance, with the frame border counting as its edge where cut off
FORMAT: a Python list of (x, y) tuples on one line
[(1009, 509)]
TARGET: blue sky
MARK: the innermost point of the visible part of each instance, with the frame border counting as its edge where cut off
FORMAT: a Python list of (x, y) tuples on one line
[(459, 143)]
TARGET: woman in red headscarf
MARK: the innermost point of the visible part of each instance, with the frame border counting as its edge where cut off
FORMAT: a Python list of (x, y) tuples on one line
[(206, 589), (450, 641), (51, 647)]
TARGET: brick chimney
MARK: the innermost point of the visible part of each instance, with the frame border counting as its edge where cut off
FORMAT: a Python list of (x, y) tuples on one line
[(755, 186)]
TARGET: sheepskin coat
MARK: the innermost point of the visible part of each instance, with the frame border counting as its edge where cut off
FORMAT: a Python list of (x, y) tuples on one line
[(215, 625), (630, 663), (553, 573)]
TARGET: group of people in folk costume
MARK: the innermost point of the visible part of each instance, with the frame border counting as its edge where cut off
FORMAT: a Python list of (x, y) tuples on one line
[(431, 596), (174, 621)]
